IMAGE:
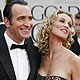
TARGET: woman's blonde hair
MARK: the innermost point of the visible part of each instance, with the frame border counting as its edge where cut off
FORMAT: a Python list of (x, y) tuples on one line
[(42, 39)]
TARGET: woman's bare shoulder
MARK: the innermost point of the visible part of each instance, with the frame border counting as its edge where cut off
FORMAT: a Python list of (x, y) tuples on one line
[(75, 65), (74, 59)]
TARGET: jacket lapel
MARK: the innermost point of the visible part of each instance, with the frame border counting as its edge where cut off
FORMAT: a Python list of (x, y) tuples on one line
[(32, 65), (32, 58), (5, 59)]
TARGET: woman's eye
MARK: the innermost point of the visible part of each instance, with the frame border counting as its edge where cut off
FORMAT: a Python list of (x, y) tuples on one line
[(70, 25), (61, 21)]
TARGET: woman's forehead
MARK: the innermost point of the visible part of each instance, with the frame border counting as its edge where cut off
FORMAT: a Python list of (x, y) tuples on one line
[(65, 16)]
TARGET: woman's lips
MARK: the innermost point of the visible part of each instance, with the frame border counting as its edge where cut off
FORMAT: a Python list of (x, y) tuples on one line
[(64, 30)]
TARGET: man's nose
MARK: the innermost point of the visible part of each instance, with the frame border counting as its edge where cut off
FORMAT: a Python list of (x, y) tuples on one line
[(78, 27), (27, 23)]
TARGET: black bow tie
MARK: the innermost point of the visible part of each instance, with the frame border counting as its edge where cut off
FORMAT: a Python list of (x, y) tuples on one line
[(13, 46)]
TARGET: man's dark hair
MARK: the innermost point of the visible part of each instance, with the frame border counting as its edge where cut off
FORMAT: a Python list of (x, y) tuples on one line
[(77, 16), (7, 12)]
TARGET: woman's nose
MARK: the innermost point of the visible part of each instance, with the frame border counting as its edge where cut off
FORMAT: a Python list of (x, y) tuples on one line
[(66, 25)]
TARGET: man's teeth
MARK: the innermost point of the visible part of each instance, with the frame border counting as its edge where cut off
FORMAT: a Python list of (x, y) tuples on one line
[(25, 29)]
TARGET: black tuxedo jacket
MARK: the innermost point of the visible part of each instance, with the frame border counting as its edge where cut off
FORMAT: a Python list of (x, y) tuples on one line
[(6, 67), (2, 28), (75, 47)]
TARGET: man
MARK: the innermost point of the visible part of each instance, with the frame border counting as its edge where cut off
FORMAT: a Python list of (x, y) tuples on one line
[(75, 47), (17, 63), (1, 20), (2, 28), (2, 25)]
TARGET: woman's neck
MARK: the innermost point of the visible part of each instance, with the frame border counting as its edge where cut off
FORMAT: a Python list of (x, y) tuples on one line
[(55, 45)]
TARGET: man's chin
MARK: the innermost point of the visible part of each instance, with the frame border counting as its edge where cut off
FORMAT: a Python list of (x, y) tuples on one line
[(78, 35), (27, 37)]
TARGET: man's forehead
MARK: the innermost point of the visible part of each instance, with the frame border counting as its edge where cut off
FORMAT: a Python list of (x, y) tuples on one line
[(21, 9), (77, 20)]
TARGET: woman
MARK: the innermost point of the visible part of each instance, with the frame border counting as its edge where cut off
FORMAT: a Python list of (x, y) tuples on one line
[(54, 39)]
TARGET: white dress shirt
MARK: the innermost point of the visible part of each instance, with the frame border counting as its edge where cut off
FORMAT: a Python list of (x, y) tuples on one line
[(78, 40), (19, 59)]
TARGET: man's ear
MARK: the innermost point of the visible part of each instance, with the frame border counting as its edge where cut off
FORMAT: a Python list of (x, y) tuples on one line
[(7, 22)]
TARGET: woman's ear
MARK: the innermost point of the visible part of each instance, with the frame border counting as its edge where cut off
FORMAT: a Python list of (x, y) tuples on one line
[(7, 22)]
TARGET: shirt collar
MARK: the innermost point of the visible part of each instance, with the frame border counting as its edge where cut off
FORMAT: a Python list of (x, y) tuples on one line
[(79, 40), (10, 41)]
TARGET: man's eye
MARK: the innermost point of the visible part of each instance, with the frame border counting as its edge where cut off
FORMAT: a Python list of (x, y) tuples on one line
[(30, 18), (21, 18)]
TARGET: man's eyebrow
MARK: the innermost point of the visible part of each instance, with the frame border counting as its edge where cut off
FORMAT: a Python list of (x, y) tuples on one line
[(19, 17)]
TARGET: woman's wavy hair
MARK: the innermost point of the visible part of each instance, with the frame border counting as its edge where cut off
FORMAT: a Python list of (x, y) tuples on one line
[(42, 38)]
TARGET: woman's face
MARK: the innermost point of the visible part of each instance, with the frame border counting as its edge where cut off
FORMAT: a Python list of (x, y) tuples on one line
[(62, 26)]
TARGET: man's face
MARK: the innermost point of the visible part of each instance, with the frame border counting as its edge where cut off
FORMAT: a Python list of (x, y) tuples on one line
[(77, 27), (21, 23)]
